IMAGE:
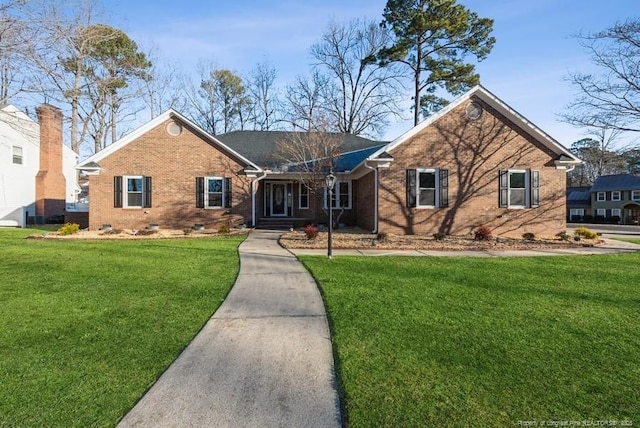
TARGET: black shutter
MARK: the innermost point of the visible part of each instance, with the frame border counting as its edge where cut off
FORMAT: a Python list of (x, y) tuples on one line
[(227, 192), (199, 192), (535, 189), (411, 187), (504, 188), (117, 191), (146, 202), (444, 188)]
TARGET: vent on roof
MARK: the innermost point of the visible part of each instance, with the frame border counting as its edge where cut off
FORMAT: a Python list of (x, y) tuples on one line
[(474, 111), (174, 129)]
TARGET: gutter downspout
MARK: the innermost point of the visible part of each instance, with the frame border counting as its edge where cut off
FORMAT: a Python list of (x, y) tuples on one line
[(375, 196), (253, 198)]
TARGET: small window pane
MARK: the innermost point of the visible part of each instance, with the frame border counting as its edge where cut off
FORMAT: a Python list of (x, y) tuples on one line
[(134, 199), (517, 197), (134, 185), (215, 185), (428, 180), (427, 197), (517, 180)]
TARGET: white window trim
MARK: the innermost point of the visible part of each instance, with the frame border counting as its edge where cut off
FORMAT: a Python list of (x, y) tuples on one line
[(206, 193), (635, 195), (615, 212), (13, 155), (125, 191), (336, 194), (576, 211), (598, 196), (302, 186), (601, 212), (527, 188), (616, 195), (436, 172)]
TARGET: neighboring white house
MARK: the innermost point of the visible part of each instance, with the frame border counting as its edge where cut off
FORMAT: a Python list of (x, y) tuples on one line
[(19, 165)]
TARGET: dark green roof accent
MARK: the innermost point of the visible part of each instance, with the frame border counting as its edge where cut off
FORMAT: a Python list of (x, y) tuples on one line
[(260, 146)]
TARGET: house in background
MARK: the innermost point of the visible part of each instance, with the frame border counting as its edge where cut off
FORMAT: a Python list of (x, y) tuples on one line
[(37, 171), (579, 203), (475, 163)]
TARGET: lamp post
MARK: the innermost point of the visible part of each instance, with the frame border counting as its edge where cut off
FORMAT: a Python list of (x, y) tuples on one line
[(330, 182)]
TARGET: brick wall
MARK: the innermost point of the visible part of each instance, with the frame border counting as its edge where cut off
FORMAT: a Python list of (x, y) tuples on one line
[(473, 151), (364, 201), (51, 185), (173, 163)]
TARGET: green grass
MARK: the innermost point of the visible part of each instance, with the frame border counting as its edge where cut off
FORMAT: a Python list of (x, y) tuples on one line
[(632, 240), (87, 326), (484, 342)]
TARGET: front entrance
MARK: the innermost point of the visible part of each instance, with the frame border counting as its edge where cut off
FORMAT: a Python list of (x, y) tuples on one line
[(278, 199)]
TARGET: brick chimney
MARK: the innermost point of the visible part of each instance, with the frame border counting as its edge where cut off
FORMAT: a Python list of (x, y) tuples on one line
[(51, 186)]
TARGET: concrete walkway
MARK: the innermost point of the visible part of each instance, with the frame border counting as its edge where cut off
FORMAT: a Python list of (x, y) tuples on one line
[(263, 360)]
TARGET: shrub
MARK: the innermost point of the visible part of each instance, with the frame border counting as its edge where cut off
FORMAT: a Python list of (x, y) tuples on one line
[(576, 238), (483, 233), (112, 232), (439, 236), (382, 236), (145, 232), (187, 231), (563, 236), (598, 219), (69, 229), (587, 218), (585, 233), (224, 229), (311, 232), (528, 236), (576, 218)]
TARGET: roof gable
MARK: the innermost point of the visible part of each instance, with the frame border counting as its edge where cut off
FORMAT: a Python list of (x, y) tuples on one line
[(91, 161), (564, 155)]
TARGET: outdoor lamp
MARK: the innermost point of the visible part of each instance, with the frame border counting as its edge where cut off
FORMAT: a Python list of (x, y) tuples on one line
[(330, 182)]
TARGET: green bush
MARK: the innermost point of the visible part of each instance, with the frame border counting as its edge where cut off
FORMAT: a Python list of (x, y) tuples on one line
[(439, 236), (69, 229), (224, 229), (585, 233), (382, 236), (563, 236), (483, 233), (528, 236)]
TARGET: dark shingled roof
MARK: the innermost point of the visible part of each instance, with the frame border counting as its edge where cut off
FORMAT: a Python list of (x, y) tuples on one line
[(260, 146), (579, 197), (607, 183)]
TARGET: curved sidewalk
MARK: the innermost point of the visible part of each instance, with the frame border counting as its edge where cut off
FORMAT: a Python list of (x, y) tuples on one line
[(263, 360)]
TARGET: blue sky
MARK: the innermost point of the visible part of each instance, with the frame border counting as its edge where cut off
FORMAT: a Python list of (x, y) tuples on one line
[(527, 68)]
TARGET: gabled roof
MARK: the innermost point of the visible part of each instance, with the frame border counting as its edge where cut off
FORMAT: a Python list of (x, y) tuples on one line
[(607, 183), (261, 146), (94, 160), (564, 155)]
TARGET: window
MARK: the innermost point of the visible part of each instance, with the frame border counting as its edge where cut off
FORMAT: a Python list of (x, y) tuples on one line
[(635, 195), (303, 201), (136, 192), (17, 155), (615, 212), (427, 188), (615, 195), (519, 188), (601, 196), (341, 197), (574, 212), (601, 212), (213, 192)]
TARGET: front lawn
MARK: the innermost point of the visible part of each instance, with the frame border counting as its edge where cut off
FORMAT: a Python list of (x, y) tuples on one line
[(485, 342), (87, 326)]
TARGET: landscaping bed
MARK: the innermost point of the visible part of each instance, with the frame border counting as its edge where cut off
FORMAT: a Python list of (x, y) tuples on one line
[(359, 239)]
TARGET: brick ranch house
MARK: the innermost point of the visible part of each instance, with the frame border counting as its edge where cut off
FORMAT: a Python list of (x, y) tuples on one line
[(475, 163)]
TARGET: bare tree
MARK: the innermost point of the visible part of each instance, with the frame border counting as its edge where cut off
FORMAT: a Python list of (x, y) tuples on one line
[(362, 94), (305, 103), (14, 41), (265, 105), (610, 99), (161, 86)]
